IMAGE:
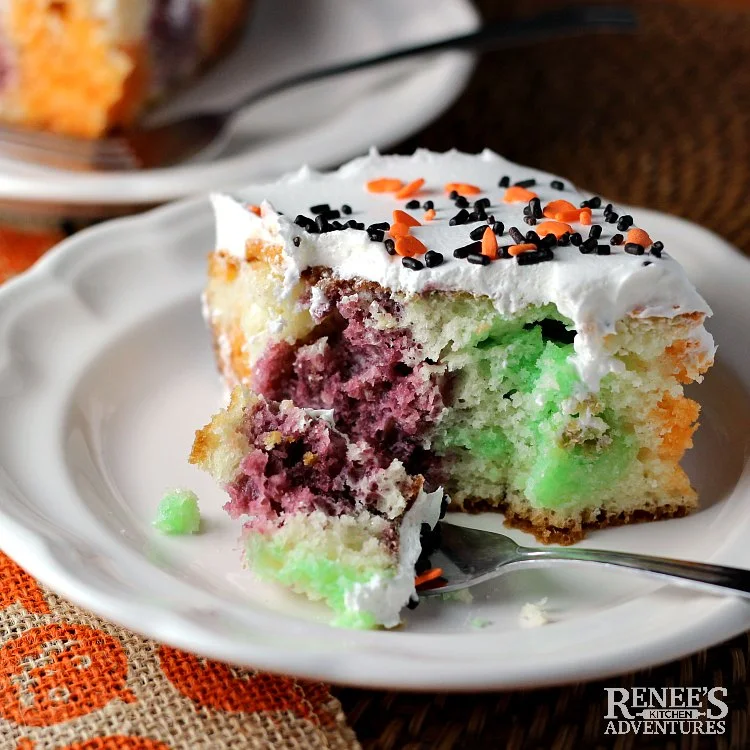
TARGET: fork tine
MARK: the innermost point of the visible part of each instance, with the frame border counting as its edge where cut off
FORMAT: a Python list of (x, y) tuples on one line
[(78, 153), (78, 161), (47, 147)]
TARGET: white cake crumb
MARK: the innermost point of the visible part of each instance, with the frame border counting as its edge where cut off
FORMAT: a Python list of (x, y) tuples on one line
[(533, 615)]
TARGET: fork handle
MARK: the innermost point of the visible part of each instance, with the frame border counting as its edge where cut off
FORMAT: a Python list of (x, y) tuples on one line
[(552, 24), (711, 578)]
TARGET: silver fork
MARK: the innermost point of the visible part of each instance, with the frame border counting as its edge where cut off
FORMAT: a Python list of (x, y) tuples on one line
[(180, 140), (470, 556)]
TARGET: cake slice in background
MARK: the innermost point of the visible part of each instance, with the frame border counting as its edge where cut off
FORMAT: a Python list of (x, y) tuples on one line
[(321, 515), (519, 343), (81, 67)]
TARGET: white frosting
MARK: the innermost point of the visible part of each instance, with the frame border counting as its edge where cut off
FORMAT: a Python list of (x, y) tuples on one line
[(593, 291), (383, 597)]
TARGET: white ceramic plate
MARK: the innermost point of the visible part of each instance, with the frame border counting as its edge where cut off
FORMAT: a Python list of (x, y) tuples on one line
[(321, 124), (105, 372)]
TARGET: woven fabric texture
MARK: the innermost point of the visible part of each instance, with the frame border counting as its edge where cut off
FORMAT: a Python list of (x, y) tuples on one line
[(70, 681)]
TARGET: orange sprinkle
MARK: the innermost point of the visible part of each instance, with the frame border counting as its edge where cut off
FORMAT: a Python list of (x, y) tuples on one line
[(638, 236), (489, 243), (411, 189), (384, 185), (401, 217), (554, 209), (398, 229), (558, 228), (462, 188), (585, 216), (527, 247), (408, 246), (515, 193), (427, 576), (254, 209), (429, 215), (574, 215)]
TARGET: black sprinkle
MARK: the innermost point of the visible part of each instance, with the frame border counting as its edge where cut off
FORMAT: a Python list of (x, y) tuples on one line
[(331, 214), (476, 234), (320, 208), (412, 204), (461, 202), (516, 236), (413, 603), (346, 209), (646, 262), (625, 222), (595, 231), (428, 205), (536, 208), (302, 221), (529, 220), (473, 216), (595, 202), (433, 258), (589, 245), (549, 240), (532, 236), (527, 211), (463, 252), (607, 209), (535, 256), (557, 185), (585, 204), (504, 252), (603, 250), (656, 249), (322, 223), (616, 239), (498, 227), (478, 259), (376, 235), (390, 246), (337, 225), (481, 213), (453, 194), (482, 203), (634, 248), (412, 263), (296, 241), (504, 181), (564, 239), (460, 218), (491, 219), (576, 239), (525, 183), (611, 217), (380, 225)]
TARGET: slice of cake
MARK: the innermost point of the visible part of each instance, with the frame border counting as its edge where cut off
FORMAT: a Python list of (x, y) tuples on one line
[(323, 515), (83, 66), (519, 343)]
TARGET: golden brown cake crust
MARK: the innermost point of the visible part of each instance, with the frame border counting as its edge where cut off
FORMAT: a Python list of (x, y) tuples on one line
[(547, 532)]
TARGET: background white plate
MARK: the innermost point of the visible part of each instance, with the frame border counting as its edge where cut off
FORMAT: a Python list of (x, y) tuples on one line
[(106, 371), (319, 124)]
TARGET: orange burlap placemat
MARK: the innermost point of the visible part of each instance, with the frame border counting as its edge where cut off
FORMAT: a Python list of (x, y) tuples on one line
[(71, 681)]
